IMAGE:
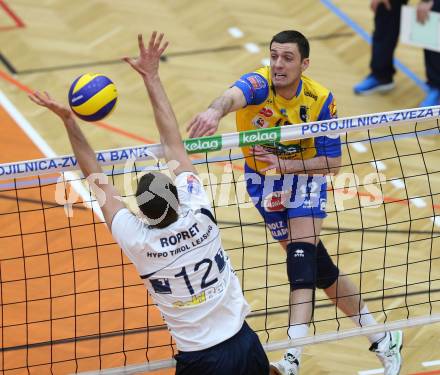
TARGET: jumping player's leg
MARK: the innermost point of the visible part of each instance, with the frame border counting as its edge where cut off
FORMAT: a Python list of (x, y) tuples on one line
[(301, 269), (341, 290), (345, 295), (301, 252), (293, 211)]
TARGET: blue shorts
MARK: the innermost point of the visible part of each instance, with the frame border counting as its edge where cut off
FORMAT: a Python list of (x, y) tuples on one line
[(242, 354), (280, 198)]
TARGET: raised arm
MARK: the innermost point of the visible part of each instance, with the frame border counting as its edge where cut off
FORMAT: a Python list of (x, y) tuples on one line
[(107, 195), (147, 65), (206, 123)]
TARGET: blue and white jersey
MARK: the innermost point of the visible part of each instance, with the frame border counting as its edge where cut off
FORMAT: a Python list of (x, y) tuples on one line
[(186, 269)]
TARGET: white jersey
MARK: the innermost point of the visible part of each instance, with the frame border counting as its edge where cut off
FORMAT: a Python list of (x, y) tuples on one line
[(186, 269)]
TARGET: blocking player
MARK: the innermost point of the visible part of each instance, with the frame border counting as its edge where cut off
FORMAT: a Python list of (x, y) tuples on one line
[(179, 256), (292, 203)]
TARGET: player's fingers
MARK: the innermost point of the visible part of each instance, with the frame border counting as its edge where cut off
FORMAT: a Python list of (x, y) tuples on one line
[(190, 127), (193, 132), (210, 131), (141, 42), (35, 99), (48, 95), (158, 41), (128, 60), (258, 150), (203, 130), (40, 97), (260, 157), (152, 40), (132, 63), (268, 168), (195, 128), (200, 130), (164, 47)]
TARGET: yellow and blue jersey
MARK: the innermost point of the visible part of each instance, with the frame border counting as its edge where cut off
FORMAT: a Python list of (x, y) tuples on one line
[(266, 109)]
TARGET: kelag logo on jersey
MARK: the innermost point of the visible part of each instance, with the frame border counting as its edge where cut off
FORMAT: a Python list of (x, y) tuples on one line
[(251, 137), (213, 143)]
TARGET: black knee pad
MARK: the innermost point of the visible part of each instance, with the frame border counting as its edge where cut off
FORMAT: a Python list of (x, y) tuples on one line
[(301, 265), (327, 271)]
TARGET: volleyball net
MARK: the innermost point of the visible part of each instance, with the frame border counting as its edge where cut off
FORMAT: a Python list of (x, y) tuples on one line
[(72, 302)]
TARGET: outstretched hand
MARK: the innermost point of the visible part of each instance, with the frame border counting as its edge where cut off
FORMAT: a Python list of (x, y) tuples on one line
[(147, 64), (272, 160), (45, 100), (203, 124)]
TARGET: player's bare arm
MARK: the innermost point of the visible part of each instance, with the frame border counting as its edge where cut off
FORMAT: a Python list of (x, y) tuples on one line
[(317, 165), (206, 123), (111, 201), (147, 65)]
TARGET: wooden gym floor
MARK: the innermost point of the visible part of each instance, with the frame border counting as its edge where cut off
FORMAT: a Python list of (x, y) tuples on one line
[(46, 45)]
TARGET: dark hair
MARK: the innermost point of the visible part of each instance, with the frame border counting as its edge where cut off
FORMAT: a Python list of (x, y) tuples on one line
[(157, 198), (293, 36)]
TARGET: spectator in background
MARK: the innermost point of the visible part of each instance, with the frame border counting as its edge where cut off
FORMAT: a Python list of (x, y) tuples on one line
[(385, 36)]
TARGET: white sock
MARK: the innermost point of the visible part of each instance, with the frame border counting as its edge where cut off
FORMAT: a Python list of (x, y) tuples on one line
[(296, 332), (366, 319)]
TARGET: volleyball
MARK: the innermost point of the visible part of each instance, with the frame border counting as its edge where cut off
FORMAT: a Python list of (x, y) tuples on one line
[(92, 96)]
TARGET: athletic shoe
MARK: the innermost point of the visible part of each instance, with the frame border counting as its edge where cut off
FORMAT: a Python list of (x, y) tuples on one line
[(388, 350), (371, 84), (289, 364), (432, 98)]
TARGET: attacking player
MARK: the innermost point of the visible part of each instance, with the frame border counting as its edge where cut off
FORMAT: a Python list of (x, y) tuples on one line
[(179, 256), (292, 203)]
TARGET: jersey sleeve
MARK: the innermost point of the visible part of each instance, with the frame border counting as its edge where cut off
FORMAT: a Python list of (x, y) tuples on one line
[(191, 193), (328, 110), (328, 146), (254, 87), (130, 233)]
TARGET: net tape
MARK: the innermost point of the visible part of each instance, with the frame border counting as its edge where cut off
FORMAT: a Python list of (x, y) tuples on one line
[(228, 141)]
